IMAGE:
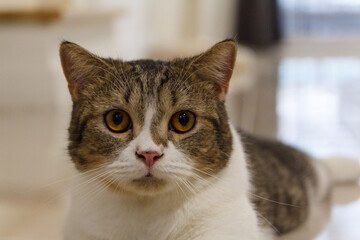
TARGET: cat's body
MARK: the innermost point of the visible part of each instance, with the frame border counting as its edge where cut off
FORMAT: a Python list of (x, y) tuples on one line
[(290, 190), (219, 212), (159, 160)]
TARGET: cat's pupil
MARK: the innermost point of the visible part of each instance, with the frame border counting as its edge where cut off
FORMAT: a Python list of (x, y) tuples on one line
[(117, 118), (183, 119)]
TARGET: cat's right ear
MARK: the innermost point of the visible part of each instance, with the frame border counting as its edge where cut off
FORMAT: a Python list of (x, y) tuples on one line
[(79, 66), (216, 65)]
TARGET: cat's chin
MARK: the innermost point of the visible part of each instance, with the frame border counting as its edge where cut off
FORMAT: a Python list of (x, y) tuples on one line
[(148, 185), (149, 181)]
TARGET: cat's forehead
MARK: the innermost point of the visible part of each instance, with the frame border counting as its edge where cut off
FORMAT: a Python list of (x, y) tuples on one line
[(166, 86), (148, 64), (148, 75), (146, 67), (151, 80), (142, 81)]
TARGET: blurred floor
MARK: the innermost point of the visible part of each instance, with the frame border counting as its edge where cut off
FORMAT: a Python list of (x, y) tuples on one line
[(310, 102)]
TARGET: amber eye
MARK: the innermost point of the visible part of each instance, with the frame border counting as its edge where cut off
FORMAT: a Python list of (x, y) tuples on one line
[(117, 121), (182, 122)]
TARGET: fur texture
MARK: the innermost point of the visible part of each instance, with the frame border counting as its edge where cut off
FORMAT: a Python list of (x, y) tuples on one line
[(210, 182)]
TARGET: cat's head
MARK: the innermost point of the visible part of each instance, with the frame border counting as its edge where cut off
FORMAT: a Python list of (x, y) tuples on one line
[(145, 127)]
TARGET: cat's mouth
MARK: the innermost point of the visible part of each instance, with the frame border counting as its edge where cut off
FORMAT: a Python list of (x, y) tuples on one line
[(148, 175), (149, 179)]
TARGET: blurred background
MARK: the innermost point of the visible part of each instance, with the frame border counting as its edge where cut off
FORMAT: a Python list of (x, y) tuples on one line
[(297, 79)]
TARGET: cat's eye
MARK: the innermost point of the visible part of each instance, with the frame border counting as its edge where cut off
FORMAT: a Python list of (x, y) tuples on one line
[(117, 121), (182, 121)]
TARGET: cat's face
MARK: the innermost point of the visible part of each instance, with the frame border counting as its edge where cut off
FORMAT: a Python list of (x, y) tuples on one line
[(144, 127)]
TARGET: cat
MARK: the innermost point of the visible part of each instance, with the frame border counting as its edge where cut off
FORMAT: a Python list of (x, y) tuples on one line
[(158, 158)]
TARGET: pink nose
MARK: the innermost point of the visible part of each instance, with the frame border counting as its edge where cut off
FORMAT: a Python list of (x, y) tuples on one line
[(149, 158)]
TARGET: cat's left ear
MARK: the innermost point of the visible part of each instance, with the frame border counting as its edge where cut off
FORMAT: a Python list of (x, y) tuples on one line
[(217, 64), (80, 68)]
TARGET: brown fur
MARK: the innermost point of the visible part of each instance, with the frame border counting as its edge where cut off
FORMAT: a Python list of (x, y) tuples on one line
[(279, 173), (98, 85), (198, 84)]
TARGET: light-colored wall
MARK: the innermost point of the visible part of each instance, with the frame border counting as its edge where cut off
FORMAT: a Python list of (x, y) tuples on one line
[(178, 19), (30, 73)]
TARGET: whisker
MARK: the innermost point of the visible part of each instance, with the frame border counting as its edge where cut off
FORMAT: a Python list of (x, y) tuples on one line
[(190, 192), (103, 188), (50, 184), (181, 189), (277, 230), (56, 196), (95, 191), (255, 195), (79, 189), (273, 201)]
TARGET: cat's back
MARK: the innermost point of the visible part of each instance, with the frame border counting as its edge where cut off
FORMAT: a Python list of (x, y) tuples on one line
[(280, 176)]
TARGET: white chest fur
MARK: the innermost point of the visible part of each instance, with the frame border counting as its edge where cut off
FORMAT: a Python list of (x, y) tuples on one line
[(222, 211)]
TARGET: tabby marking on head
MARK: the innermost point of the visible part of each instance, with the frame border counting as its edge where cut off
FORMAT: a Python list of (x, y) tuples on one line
[(150, 92)]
